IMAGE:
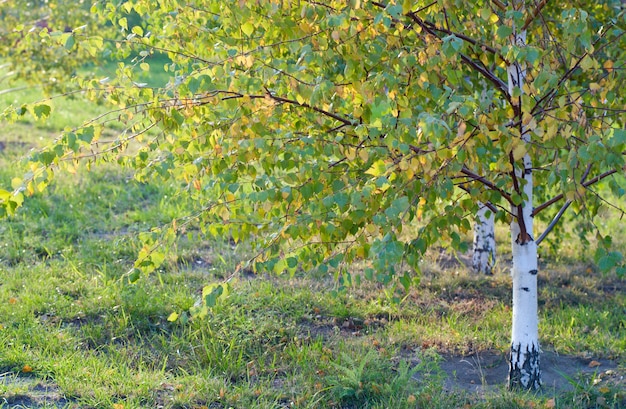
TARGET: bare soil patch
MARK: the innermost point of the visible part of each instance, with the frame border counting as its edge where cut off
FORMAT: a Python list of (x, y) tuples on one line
[(29, 392), (487, 371)]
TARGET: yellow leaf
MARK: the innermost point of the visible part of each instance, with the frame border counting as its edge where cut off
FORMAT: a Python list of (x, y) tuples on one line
[(461, 131), (172, 317), (378, 168), (551, 131), (587, 63), (519, 151), (526, 118), (248, 28), (608, 65), (594, 86), (363, 155), (420, 209), (300, 99), (27, 368), (350, 153), (224, 213)]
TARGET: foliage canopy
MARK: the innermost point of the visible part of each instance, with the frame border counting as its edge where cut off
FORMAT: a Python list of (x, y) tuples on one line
[(321, 130)]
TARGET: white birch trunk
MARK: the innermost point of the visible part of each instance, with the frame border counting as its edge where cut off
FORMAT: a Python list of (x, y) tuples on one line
[(484, 245), (524, 371)]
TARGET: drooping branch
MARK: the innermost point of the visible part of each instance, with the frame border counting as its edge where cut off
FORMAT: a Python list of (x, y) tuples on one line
[(235, 95), (339, 118), (433, 30)]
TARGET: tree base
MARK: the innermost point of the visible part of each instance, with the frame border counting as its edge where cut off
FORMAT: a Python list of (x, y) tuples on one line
[(524, 370)]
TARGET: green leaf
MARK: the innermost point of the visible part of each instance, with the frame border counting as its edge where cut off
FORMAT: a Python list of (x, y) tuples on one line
[(86, 134), (134, 275), (451, 45), (69, 43), (397, 207), (41, 111), (213, 293), (503, 32), (292, 262), (123, 22), (247, 28)]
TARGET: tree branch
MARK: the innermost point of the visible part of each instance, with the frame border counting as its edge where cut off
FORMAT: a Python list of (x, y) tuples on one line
[(552, 92), (235, 95), (523, 236), (499, 4), (431, 27), (491, 77), (501, 85), (487, 183), (534, 14), (488, 205), (554, 221), (339, 118), (560, 196)]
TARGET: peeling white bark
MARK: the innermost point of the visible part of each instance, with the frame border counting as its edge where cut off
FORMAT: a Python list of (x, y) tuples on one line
[(484, 245)]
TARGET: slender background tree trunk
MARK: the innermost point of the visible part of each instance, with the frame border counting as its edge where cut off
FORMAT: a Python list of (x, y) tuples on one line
[(484, 245)]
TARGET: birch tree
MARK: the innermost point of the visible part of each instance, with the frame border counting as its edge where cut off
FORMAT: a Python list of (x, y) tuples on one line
[(484, 243), (330, 132)]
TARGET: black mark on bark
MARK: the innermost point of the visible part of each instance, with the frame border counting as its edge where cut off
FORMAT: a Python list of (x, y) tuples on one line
[(524, 371)]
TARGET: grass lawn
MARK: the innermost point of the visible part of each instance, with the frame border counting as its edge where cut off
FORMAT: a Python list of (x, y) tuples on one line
[(75, 334)]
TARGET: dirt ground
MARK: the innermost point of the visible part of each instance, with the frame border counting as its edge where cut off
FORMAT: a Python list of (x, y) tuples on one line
[(487, 371)]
